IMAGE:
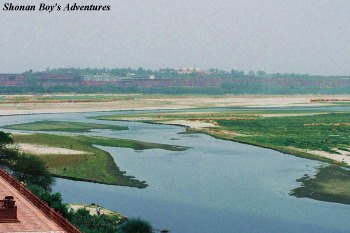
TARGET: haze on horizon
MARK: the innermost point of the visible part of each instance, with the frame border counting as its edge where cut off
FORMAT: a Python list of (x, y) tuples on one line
[(289, 36)]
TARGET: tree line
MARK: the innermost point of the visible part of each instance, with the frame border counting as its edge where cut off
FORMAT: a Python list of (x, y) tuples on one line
[(172, 73), (243, 88)]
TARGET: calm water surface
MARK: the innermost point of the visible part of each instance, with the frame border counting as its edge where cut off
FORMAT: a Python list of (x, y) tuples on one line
[(215, 186)]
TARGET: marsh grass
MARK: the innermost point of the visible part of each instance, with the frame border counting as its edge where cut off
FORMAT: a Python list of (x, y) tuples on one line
[(319, 131), (64, 126), (331, 184), (52, 161), (315, 132), (96, 165)]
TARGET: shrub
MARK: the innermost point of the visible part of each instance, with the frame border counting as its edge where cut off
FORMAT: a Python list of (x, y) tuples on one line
[(92, 223), (52, 199)]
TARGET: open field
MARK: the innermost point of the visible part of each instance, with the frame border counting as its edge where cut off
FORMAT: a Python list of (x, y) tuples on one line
[(144, 102), (75, 157)]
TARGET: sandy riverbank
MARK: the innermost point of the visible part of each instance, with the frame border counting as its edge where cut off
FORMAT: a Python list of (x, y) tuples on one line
[(169, 102), (92, 210), (44, 150), (191, 124)]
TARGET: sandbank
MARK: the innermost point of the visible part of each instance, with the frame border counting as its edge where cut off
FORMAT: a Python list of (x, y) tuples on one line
[(44, 150), (191, 124), (168, 102), (343, 157)]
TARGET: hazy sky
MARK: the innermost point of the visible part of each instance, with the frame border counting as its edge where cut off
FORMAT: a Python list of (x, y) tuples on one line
[(294, 36)]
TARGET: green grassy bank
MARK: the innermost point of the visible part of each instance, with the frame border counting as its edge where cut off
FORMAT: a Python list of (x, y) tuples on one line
[(94, 164), (64, 126)]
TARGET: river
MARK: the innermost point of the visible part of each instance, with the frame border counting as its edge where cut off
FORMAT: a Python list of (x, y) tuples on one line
[(215, 186)]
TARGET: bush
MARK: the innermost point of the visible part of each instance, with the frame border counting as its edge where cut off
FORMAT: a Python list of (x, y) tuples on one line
[(52, 199), (135, 225), (93, 223)]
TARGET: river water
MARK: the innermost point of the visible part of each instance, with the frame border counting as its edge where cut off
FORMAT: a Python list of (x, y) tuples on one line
[(215, 186)]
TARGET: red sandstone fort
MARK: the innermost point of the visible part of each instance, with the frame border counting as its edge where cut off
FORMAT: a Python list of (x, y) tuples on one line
[(21, 211)]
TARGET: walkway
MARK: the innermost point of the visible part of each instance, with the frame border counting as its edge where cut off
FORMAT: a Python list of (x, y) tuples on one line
[(30, 217)]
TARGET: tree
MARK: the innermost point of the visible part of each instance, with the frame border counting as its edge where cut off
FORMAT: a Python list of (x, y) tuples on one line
[(32, 170), (52, 199), (7, 156), (140, 71), (251, 73), (261, 73), (236, 74), (5, 138)]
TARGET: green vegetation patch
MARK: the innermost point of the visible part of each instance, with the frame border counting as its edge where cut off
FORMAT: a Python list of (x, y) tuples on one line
[(316, 132), (64, 126), (169, 116), (331, 184), (96, 165), (232, 113), (302, 129)]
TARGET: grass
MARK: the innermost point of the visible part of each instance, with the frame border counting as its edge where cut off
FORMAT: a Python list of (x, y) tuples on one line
[(317, 132), (95, 165), (64, 126)]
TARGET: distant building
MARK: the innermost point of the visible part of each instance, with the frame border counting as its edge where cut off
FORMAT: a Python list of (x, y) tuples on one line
[(189, 70), (12, 80), (47, 79)]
